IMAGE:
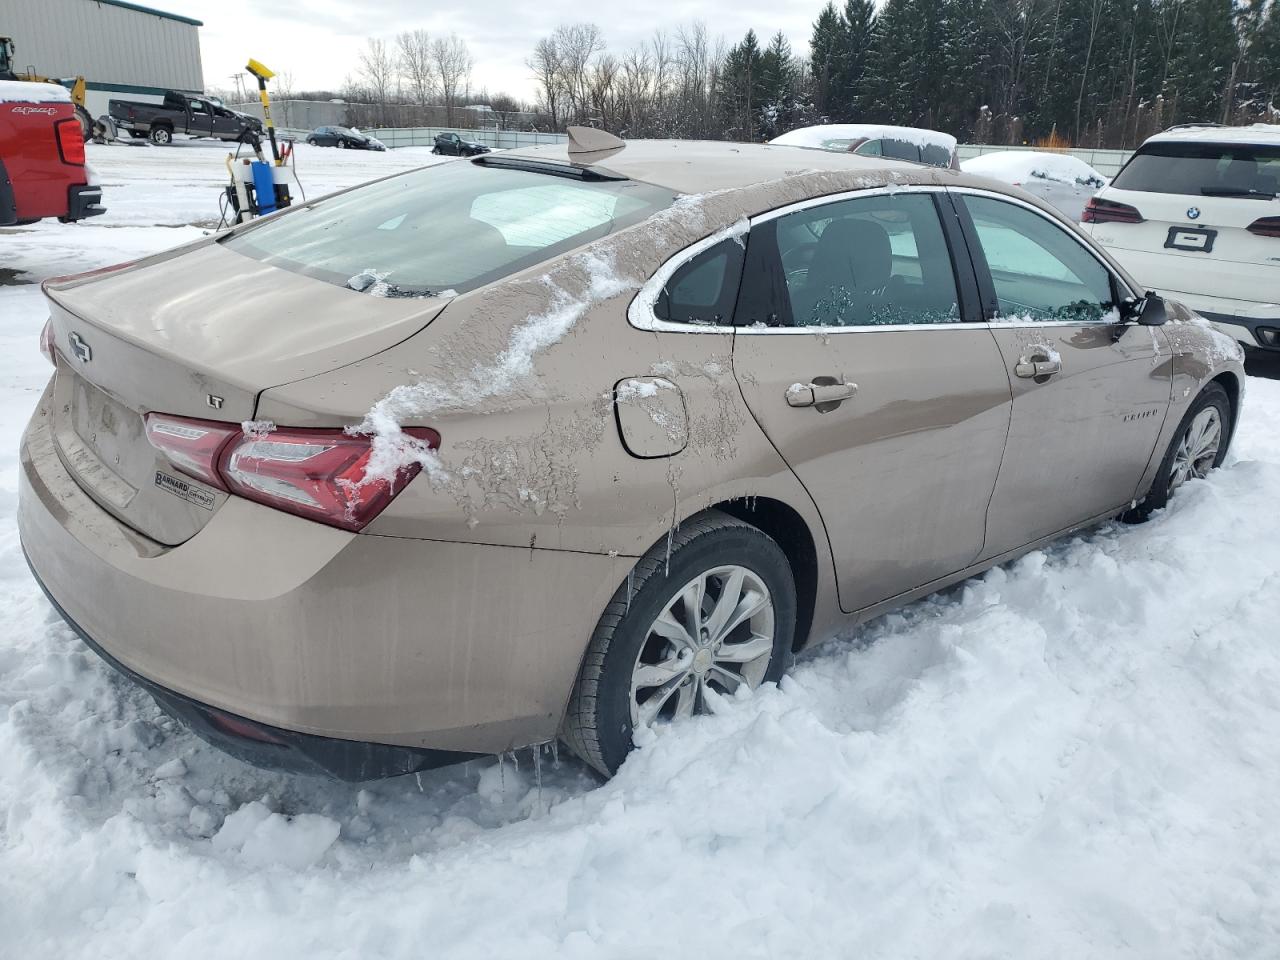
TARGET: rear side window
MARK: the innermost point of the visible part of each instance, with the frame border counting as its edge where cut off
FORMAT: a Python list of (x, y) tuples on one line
[(1203, 170), (704, 289), (447, 227), (868, 261)]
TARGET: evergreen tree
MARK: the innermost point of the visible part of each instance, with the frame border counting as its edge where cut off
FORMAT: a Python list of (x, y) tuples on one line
[(778, 103), (824, 57), (857, 34), (1265, 57), (1200, 66), (740, 89)]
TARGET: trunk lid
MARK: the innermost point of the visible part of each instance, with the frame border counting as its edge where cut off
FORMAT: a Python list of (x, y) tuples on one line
[(202, 341)]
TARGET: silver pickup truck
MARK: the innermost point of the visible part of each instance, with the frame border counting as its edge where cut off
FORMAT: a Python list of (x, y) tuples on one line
[(184, 113)]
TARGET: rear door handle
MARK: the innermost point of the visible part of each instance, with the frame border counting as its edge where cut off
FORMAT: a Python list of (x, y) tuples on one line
[(1034, 369), (824, 396)]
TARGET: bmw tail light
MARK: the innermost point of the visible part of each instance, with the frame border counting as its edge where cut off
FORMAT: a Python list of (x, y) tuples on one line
[(192, 446), (1109, 211), (317, 474), (71, 141), (46, 342), (1265, 227)]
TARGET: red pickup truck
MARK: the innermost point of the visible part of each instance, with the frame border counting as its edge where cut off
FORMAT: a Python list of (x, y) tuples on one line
[(42, 162)]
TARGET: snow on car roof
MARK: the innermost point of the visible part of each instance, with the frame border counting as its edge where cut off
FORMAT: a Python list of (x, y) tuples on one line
[(18, 91), (820, 136), (1018, 166), (1268, 133)]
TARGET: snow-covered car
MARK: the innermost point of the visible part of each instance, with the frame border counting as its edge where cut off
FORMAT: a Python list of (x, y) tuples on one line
[(657, 416), (877, 140), (1194, 214), (1059, 179)]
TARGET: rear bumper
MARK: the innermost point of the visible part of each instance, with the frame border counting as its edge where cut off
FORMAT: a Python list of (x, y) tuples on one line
[(83, 201), (273, 747), (445, 647)]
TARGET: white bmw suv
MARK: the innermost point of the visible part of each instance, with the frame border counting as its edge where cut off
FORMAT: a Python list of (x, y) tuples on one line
[(1194, 215)]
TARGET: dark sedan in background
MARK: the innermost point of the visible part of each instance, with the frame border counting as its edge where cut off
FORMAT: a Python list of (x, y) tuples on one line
[(450, 144), (343, 137)]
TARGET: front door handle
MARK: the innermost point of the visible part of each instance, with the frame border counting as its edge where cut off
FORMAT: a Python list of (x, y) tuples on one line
[(1035, 369), (824, 393)]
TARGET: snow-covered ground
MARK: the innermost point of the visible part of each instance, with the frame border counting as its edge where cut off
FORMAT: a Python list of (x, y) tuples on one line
[(1072, 756)]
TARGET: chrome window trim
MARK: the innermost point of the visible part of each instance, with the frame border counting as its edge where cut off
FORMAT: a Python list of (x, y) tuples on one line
[(640, 313)]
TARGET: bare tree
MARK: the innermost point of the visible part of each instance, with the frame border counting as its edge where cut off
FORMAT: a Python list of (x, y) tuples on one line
[(578, 44), (452, 63), (548, 71), (416, 64), (378, 72), (283, 93)]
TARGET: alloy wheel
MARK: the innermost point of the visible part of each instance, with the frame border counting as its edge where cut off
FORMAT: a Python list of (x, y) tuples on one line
[(1197, 451), (715, 634)]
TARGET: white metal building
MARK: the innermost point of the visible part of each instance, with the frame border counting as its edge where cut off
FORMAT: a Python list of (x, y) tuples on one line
[(121, 49)]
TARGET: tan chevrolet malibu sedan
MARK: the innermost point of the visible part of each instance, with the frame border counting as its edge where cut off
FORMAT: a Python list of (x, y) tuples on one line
[(566, 441)]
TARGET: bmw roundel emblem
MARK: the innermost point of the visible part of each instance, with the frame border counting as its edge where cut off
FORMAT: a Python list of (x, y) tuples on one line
[(1193, 213)]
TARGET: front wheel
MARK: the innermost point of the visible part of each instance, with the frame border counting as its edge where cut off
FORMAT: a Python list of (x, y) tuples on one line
[(342, 144), (1198, 446), (719, 614)]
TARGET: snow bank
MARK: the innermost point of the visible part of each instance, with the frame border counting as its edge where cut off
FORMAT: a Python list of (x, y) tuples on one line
[(838, 136), (1019, 166), (1071, 756), (17, 91)]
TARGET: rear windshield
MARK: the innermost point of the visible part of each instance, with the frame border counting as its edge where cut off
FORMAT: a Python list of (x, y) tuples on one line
[(1204, 170), (449, 227)]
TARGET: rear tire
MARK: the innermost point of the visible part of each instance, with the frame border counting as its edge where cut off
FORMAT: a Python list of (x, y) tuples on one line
[(311, 141), (161, 136), (648, 662), (86, 122), (342, 144), (1199, 445)]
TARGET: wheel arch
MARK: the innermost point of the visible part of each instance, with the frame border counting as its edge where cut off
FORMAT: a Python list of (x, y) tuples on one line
[(1229, 382), (790, 531)]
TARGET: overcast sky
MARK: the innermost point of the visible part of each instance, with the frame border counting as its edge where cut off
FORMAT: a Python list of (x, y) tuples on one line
[(318, 41)]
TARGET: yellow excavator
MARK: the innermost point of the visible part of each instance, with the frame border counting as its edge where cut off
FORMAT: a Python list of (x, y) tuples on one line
[(9, 71)]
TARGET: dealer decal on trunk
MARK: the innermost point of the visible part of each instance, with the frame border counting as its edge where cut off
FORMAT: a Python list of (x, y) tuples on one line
[(181, 488)]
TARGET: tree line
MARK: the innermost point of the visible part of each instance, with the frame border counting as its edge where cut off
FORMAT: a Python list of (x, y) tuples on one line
[(1103, 73)]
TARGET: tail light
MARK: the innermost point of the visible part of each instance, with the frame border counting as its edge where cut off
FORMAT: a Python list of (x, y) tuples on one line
[(71, 141), (1108, 211), (1265, 227), (47, 342), (192, 446), (317, 474)]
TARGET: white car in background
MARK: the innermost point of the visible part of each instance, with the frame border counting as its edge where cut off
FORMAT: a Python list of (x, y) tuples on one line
[(877, 140), (1194, 215), (1059, 179)]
